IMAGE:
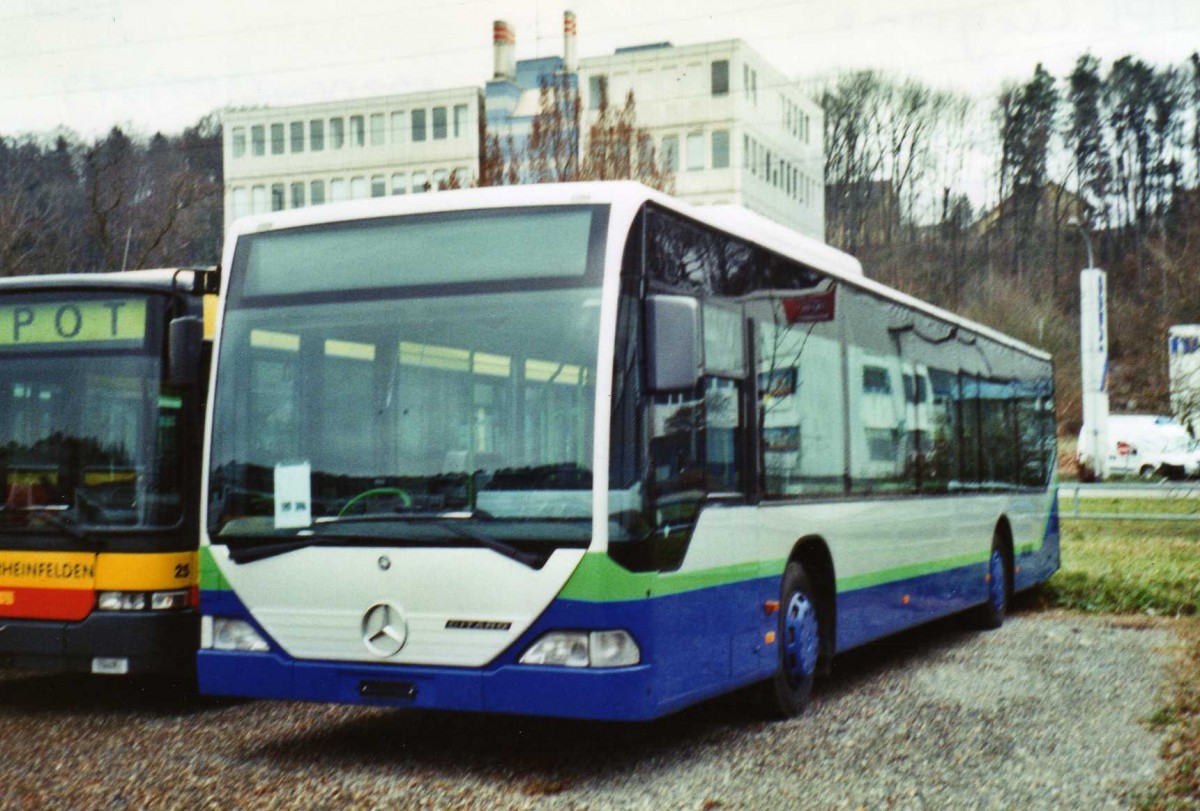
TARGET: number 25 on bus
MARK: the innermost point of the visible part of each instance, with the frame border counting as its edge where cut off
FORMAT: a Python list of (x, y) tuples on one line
[(584, 450)]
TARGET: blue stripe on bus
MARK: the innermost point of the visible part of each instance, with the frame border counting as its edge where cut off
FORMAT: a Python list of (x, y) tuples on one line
[(694, 645)]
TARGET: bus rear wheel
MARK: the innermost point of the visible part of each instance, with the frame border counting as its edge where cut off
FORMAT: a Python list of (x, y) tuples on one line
[(992, 613), (786, 693)]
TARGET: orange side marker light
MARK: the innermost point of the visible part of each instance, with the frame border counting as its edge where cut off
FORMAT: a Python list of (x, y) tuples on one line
[(769, 638)]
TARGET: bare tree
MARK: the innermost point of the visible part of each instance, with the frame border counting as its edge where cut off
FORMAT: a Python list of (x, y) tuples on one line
[(558, 150)]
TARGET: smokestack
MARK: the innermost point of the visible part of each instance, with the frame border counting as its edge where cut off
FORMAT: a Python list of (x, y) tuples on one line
[(569, 41), (504, 46)]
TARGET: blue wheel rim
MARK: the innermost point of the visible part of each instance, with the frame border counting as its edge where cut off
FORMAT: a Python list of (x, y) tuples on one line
[(800, 638), (997, 587)]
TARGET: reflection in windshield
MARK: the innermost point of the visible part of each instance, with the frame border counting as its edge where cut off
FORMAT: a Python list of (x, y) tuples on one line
[(87, 440), (480, 403)]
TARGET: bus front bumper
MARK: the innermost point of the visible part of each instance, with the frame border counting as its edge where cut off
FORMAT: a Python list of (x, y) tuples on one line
[(127, 643), (610, 694)]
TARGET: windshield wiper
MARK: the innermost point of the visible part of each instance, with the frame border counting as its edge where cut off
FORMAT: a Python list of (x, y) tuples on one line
[(495, 544), (262, 551)]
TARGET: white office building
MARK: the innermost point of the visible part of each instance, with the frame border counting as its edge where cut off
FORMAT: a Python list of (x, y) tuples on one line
[(290, 157), (732, 128)]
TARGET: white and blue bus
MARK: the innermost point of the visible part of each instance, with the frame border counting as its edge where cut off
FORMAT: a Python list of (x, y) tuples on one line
[(585, 450)]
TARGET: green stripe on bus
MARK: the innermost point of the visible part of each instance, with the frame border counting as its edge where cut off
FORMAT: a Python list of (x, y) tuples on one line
[(599, 579), (211, 578)]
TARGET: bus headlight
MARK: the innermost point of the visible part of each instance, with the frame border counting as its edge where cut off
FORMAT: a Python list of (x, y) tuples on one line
[(169, 600), (142, 600), (578, 649), (233, 634), (121, 601)]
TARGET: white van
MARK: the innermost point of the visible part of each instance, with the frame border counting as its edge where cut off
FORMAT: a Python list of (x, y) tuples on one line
[(1147, 445)]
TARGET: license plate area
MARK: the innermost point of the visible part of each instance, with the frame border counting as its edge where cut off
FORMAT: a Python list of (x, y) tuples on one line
[(387, 690), (110, 665)]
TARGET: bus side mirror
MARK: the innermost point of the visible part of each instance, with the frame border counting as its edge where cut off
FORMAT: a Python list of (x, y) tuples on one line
[(675, 355), (186, 339)]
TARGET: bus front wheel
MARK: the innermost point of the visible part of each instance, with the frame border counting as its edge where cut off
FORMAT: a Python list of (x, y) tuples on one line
[(786, 694)]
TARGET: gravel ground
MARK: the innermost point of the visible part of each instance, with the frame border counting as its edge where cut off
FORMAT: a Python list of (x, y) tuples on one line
[(1046, 713)]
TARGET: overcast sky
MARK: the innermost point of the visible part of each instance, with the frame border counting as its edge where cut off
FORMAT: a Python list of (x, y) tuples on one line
[(153, 65)]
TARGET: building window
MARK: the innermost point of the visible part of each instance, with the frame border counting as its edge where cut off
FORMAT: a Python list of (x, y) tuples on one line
[(720, 77), (441, 179), (439, 123), (338, 190), (258, 140), (876, 380), (418, 125), (750, 83), (358, 136), (277, 200), (276, 139), (399, 183), (419, 182), (358, 188), (316, 192), (695, 151), (297, 128), (239, 141), (316, 135), (720, 149), (297, 195), (241, 202), (594, 92), (337, 133), (378, 186), (258, 200), (398, 125), (460, 120), (377, 129), (670, 152)]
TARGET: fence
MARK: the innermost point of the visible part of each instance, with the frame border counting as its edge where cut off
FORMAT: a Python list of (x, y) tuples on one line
[(1184, 495)]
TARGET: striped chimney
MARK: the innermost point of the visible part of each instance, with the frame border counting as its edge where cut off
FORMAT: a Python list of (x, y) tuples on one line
[(504, 46), (569, 40)]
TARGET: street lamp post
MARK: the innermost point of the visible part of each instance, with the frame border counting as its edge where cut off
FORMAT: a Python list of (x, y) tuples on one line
[(1093, 357)]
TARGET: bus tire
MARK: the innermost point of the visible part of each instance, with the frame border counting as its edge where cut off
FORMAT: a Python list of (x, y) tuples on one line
[(991, 614), (786, 693)]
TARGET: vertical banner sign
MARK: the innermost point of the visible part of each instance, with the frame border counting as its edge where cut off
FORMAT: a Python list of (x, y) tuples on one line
[(1093, 350), (1183, 354)]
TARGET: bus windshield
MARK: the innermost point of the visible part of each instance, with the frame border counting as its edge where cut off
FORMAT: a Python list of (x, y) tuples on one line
[(385, 413), (87, 439)]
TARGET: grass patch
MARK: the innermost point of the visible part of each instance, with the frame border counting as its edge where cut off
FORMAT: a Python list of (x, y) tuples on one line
[(1145, 568), (1116, 567)]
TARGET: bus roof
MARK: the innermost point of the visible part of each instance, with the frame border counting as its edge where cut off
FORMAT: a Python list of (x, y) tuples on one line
[(165, 279), (629, 196)]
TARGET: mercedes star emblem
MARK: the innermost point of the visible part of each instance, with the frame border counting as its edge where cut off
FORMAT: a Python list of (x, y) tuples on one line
[(384, 630)]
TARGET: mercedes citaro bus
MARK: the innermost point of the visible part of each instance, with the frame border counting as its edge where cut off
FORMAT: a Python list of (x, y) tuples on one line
[(585, 450)]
